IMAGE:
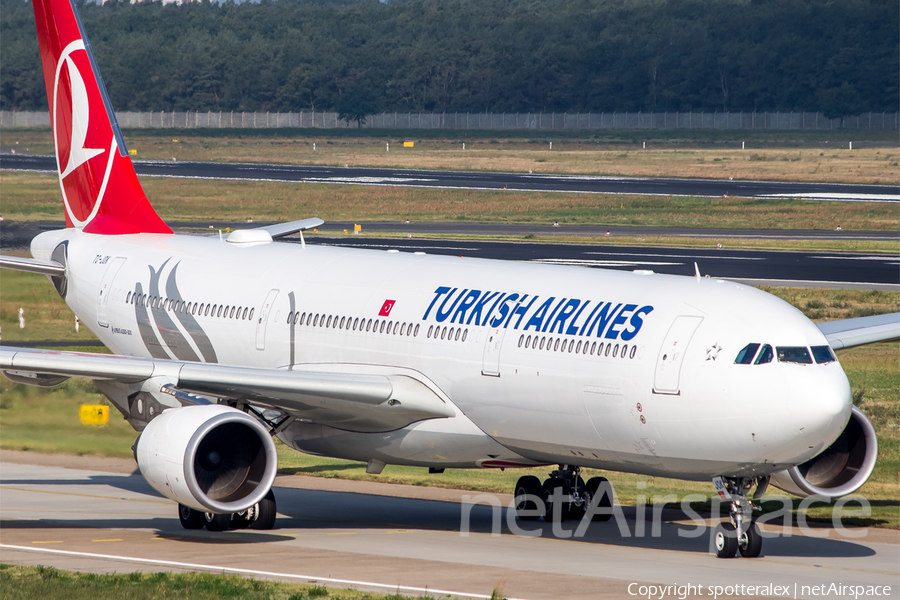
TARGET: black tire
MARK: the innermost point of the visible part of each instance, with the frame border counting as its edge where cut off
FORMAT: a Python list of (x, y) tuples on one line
[(547, 494), (190, 518), (600, 490), (726, 540), (527, 485), (217, 522), (266, 512), (752, 548)]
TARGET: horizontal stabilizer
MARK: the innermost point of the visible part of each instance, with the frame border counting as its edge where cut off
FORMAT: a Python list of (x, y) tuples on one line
[(17, 263), (353, 402), (863, 330), (282, 229)]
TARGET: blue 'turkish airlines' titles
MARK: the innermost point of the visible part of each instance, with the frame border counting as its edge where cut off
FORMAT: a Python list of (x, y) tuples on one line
[(569, 316)]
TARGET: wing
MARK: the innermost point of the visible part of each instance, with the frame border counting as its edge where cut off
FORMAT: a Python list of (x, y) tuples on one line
[(352, 402), (863, 330)]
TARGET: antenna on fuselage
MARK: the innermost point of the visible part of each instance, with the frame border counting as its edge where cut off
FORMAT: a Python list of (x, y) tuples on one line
[(302, 241), (697, 272)]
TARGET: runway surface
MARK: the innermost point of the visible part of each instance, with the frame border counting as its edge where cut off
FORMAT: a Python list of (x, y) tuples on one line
[(489, 181), (754, 267), (388, 538)]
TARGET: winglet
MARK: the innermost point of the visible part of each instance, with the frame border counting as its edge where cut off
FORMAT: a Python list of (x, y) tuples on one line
[(99, 187)]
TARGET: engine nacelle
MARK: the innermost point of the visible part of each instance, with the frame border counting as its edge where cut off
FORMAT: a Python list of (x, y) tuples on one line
[(840, 469), (212, 458)]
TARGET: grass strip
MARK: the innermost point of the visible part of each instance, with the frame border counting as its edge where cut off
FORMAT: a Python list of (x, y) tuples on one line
[(816, 156), (48, 583)]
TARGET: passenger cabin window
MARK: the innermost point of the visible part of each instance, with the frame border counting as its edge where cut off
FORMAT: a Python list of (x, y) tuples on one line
[(823, 354), (745, 356), (794, 354)]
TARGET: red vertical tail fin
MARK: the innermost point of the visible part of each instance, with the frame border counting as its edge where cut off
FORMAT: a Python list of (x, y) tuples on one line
[(99, 187)]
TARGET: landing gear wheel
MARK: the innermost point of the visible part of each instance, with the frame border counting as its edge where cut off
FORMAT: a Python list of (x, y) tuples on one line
[(547, 492), (217, 522), (190, 518), (726, 540), (751, 547), (526, 509), (599, 490), (265, 517)]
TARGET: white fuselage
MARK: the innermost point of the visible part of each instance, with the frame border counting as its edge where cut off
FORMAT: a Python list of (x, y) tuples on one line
[(513, 346)]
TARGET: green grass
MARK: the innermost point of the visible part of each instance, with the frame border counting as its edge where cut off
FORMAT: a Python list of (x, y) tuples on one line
[(48, 583)]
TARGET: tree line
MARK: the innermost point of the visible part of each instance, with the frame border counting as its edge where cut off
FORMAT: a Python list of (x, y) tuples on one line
[(841, 57)]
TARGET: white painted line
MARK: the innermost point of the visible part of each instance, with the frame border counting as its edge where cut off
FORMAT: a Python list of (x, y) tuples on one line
[(816, 283), (308, 578), (576, 262), (691, 256), (837, 197)]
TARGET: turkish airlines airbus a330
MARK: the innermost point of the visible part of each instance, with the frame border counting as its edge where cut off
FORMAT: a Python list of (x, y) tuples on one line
[(407, 359)]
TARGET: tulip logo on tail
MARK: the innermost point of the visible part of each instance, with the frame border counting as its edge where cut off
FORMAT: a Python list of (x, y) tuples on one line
[(78, 160)]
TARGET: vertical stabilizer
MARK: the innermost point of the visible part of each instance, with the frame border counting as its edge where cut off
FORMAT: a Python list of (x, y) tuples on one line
[(99, 187)]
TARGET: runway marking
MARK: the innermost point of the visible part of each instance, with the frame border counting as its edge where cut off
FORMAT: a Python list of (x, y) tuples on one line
[(590, 262), (398, 246), (691, 256), (110, 540), (18, 489), (48, 542), (810, 282), (838, 197), (307, 578), (343, 533)]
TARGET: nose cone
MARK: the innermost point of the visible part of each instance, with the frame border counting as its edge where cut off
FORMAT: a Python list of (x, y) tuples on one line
[(824, 407)]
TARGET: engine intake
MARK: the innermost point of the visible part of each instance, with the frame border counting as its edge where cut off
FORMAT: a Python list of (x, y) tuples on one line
[(212, 458), (840, 469)]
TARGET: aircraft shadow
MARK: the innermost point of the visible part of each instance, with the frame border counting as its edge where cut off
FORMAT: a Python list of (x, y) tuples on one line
[(317, 509), (314, 509)]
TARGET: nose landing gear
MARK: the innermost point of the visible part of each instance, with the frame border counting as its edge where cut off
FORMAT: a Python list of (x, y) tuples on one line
[(742, 533)]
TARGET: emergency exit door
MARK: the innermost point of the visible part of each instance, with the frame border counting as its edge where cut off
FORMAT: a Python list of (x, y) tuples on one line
[(671, 355)]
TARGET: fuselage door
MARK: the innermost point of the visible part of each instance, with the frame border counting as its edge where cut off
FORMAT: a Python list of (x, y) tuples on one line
[(264, 320), (490, 363), (106, 286), (671, 355)]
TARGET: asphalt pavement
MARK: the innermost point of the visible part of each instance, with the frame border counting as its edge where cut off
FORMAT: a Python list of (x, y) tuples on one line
[(489, 180)]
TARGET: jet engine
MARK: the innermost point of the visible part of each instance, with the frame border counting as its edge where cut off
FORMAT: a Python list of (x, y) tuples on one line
[(840, 469), (211, 458)]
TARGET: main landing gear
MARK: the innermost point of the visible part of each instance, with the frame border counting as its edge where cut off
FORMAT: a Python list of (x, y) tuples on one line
[(260, 516), (571, 495), (741, 534)]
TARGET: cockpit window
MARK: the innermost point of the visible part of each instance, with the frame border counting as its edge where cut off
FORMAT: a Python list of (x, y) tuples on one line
[(765, 355), (745, 356), (794, 354), (823, 354)]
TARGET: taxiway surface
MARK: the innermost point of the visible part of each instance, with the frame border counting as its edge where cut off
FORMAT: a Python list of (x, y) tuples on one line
[(390, 538), (489, 180), (753, 267)]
